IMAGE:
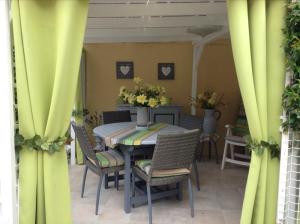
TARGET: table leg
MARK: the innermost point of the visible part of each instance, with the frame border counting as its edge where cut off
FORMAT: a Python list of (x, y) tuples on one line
[(106, 181), (209, 149), (201, 151), (127, 190), (180, 191), (216, 148)]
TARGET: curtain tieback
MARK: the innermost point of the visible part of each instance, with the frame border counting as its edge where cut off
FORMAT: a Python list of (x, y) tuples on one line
[(39, 143), (259, 146)]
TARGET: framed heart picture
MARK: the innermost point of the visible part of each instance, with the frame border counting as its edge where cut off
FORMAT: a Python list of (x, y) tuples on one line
[(166, 71), (124, 69)]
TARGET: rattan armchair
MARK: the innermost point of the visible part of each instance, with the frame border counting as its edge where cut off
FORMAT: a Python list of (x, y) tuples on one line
[(171, 164), (100, 163), (191, 122)]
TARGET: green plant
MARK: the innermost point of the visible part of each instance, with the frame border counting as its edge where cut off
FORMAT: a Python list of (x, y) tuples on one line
[(292, 38), (291, 94), (80, 113), (93, 119), (291, 104)]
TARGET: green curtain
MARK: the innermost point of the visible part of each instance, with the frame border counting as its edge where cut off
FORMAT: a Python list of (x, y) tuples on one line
[(48, 37), (257, 39), (79, 116)]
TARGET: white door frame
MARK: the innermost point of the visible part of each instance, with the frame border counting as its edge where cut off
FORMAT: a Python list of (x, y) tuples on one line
[(8, 193)]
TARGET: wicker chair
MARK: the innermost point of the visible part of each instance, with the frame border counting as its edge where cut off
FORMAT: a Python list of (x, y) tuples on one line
[(191, 122), (100, 163), (171, 163)]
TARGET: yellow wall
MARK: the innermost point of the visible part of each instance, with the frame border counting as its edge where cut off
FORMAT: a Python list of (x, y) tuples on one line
[(103, 87), (216, 72)]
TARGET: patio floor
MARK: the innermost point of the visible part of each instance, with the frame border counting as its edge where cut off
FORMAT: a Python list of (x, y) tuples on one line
[(219, 201)]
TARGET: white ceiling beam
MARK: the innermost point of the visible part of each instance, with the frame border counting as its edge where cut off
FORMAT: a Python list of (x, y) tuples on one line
[(98, 23), (137, 32), (140, 39), (215, 35), (129, 10), (145, 1)]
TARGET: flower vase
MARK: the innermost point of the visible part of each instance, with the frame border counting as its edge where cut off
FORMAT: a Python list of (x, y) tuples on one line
[(142, 117), (210, 120)]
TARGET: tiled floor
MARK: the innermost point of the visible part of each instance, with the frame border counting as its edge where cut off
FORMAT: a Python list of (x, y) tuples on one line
[(219, 201)]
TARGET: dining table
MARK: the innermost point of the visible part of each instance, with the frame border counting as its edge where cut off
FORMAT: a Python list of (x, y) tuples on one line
[(131, 141)]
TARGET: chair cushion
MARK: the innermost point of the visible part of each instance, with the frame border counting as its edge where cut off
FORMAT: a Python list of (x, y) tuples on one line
[(145, 165), (109, 158)]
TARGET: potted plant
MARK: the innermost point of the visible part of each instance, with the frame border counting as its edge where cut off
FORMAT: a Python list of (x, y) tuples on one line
[(143, 97), (208, 102)]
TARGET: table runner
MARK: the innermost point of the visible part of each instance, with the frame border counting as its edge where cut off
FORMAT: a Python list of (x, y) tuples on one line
[(131, 136)]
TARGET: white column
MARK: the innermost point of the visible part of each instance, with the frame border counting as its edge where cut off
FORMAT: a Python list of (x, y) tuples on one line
[(8, 206), (197, 51)]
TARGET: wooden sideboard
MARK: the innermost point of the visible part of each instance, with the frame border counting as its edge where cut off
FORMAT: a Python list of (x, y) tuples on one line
[(167, 114)]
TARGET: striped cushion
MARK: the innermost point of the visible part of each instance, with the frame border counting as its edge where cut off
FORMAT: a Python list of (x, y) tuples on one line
[(145, 165), (110, 158)]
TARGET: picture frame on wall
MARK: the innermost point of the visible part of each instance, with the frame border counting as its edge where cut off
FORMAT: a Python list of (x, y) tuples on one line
[(124, 70), (166, 71)]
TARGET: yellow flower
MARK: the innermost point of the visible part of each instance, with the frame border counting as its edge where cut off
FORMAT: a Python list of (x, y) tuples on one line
[(214, 95), (200, 96), (163, 90), (122, 90), (153, 102), (131, 99), (142, 99), (125, 96), (137, 80), (150, 87), (164, 100), (212, 101)]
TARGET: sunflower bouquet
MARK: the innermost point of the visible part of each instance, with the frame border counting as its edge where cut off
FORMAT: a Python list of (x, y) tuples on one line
[(144, 95)]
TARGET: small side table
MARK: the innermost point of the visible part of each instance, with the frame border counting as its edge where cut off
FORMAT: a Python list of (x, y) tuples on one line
[(212, 139)]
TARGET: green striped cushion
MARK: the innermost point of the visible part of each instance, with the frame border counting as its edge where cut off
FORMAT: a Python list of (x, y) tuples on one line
[(241, 127), (145, 165), (110, 158)]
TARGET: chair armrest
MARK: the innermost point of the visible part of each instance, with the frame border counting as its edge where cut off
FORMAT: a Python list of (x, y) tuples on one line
[(229, 126), (229, 129)]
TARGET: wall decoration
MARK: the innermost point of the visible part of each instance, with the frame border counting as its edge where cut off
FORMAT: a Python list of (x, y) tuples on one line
[(166, 71), (124, 69)]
